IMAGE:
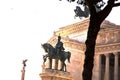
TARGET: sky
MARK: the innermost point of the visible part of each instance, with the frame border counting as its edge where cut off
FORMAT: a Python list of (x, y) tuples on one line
[(24, 26)]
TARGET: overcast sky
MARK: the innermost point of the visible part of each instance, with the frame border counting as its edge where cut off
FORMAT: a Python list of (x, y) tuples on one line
[(24, 25)]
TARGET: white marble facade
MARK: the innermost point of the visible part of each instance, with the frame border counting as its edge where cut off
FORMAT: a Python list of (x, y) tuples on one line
[(107, 52)]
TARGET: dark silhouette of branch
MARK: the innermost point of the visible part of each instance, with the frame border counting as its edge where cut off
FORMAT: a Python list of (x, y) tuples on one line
[(116, 5), (105, 12)]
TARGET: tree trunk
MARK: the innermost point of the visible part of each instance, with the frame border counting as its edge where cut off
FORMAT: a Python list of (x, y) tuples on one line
[(94, 27)]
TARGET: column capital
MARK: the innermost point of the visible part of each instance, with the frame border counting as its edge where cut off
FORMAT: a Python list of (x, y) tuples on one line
[(115, 53), (107, 55)]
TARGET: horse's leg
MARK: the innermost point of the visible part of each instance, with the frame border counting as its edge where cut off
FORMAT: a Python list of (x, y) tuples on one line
[(65, 67), (56, 64), (50, 63), (61, 66)]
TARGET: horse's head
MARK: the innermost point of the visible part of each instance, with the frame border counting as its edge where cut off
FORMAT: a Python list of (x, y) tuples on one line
[(48, 49), (45, 47)]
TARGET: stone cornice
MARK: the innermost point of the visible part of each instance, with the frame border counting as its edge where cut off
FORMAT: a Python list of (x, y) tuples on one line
[(83, 25), (100, 49), (70, 29), (108, 48)]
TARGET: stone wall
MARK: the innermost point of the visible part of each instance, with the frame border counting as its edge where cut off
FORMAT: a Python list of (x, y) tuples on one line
[(51, 74)]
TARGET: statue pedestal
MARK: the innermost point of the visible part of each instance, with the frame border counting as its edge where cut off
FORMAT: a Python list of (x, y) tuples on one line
[(51, 74)]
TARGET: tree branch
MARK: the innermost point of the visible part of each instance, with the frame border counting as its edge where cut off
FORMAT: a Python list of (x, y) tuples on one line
[(91, 6), (105, 12), (116, 5)]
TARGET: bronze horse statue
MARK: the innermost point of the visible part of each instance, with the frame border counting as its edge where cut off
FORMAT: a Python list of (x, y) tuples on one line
[(52, 55)]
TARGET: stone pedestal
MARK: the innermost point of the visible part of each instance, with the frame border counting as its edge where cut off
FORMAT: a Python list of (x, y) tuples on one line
[(51, 74), (23, 74)]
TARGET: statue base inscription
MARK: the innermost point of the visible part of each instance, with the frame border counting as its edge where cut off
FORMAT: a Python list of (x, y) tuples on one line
[(51, 74)]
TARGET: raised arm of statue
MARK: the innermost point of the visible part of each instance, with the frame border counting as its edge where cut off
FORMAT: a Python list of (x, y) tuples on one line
[(24, 63)]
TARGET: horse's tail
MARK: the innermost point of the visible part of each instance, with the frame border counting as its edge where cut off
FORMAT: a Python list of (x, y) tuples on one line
[(69, 55)]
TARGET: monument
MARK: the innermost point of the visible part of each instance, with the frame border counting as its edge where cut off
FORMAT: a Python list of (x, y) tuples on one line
[(55, 70), (107, 50)]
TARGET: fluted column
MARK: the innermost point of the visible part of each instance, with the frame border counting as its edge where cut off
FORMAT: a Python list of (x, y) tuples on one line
[(116, 66), (99, 59), (107, 67), (97, 67), (48, 63), (59, 64)]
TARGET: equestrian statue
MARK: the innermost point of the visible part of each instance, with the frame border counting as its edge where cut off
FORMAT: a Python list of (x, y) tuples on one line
[(56, 53)]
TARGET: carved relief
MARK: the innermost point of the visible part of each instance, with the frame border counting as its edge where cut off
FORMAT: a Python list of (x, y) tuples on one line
[(110, 36), (103, 38), (117, 36), (107, 48)]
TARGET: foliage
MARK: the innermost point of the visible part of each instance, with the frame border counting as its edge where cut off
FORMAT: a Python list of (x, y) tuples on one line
[(98, 4), (98, 10)]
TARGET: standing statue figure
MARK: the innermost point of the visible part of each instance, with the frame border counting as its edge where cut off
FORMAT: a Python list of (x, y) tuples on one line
[(59, 46), (24, 63)]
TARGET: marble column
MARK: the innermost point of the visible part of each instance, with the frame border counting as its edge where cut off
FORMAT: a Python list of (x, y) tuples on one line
[(107, 67), (59, 64), (116, 66), (99, 66), (48, 63)]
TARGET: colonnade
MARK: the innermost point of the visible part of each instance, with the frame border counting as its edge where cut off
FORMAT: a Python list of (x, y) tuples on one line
[(56, 64), (107, 66)]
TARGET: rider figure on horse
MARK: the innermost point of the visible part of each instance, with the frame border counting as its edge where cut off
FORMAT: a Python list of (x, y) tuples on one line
[(59, 46)]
